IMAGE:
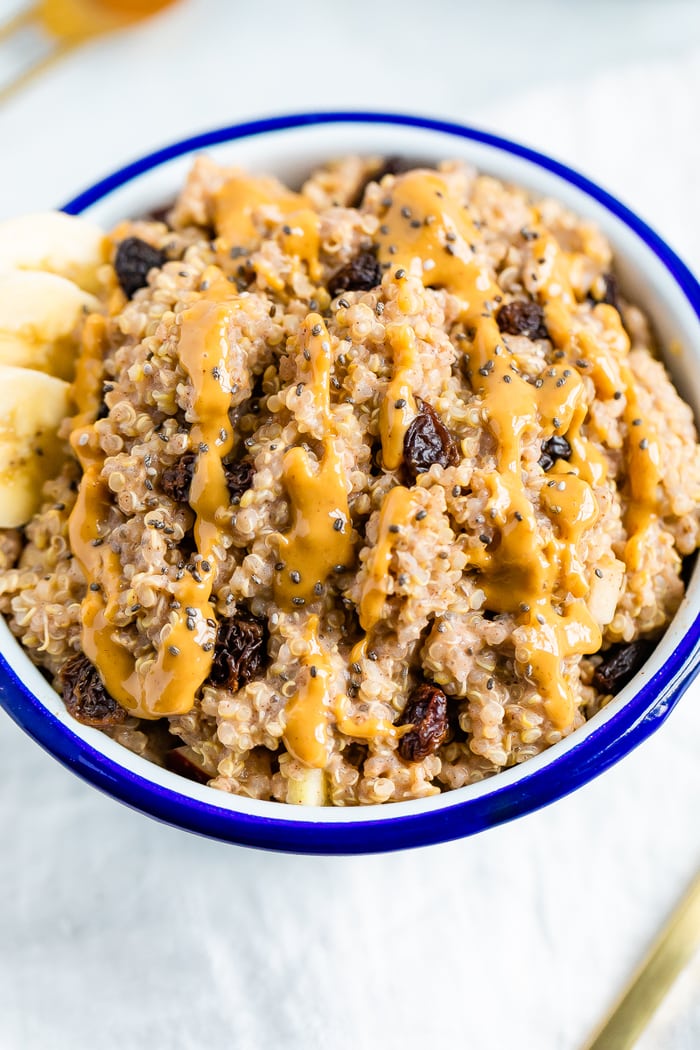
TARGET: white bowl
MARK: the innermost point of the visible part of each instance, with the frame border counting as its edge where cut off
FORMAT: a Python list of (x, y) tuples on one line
[(649, 272)]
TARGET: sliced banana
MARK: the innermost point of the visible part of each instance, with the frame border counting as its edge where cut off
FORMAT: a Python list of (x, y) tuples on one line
[(39, 313), (64, 244), (32, 405), (606, 588), (309, 789)]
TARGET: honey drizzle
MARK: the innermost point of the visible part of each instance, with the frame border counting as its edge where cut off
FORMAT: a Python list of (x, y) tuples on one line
[(164, 684)]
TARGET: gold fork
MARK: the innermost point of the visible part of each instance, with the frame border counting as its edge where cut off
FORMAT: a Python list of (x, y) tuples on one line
[(673, 948), (69, 23)]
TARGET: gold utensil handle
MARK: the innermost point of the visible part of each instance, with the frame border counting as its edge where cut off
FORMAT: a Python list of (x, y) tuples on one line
[(672, 949), (69, 23), (17, 22), (58, 50)]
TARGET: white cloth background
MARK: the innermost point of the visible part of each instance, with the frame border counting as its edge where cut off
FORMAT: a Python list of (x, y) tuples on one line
[(120, 933)]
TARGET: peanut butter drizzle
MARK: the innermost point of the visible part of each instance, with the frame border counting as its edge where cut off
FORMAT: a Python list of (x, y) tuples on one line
[(524, 574), (241, 197), (307, 734), (397, 508), (558, 300), (301, 238), (398, 408), (367, 729), (308, 712), (166, 683), (612, 374), (312, 548), (86, 390), (237, 200), (320, 536), (643, 473)]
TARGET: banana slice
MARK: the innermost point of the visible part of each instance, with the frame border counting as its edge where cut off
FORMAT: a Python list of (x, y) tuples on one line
[(53, 241), (38, 316), (606, 589), (32, 405), (309, 789)]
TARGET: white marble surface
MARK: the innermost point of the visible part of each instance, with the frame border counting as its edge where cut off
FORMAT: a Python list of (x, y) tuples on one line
[(117, 932)]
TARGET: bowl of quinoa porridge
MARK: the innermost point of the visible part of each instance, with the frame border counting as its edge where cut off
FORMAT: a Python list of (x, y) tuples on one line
[(350, 482)]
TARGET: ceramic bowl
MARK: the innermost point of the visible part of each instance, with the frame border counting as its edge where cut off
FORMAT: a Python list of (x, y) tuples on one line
[(650, 273)]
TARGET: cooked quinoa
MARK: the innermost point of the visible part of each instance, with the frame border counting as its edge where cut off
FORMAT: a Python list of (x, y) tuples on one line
[(371, 490)]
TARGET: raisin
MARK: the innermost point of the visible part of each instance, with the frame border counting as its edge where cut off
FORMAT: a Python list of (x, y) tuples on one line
[(554, 448), (355, 755), (376, 469), (522, 318), (239, 478), (160, 214), (133, 262), (426, 711), (620, 664), (455, 733), (85, 696), (176, 481), (102, 411), (241, 649), (390, 166), (359, 275), (688, 567), (244, 275), (611, 293), (185, 762), (427, 441)]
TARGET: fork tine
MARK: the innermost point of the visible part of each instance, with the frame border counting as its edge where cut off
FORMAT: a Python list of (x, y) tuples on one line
[(45, 62), (18, 21), (674, 946)]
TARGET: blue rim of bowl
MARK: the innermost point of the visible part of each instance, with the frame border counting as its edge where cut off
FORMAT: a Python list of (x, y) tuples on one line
[(597, 750)]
